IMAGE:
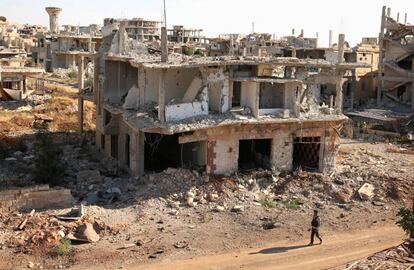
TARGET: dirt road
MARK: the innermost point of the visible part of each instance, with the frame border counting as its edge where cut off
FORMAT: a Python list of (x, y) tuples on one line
[(337, 250)]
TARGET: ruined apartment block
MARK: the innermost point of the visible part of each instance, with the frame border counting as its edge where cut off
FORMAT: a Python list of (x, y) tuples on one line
[(220, 115), (396, 67), (61, 49)]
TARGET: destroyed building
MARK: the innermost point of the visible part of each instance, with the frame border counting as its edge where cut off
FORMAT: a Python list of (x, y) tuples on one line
[(180, 34), (60, 49), (13, 82), (396, 65), (137, 28), (217, 114)]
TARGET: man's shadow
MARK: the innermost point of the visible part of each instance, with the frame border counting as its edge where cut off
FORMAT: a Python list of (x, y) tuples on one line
[(278, 249)]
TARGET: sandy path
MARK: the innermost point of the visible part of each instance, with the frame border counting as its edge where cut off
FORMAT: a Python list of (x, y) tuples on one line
[(336, 250)]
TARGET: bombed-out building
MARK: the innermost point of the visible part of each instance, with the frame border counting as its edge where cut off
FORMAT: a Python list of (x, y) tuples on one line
[(396, 65), (220, 115), (60, 49)]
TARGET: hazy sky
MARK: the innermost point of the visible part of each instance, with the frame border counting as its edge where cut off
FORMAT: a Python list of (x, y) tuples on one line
[(354, 18)]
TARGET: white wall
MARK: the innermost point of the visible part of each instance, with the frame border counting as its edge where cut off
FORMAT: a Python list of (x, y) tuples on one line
[(249, 96)]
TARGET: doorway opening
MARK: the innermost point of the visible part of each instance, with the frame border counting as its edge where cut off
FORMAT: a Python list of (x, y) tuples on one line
[(306, 151), (254, 154)]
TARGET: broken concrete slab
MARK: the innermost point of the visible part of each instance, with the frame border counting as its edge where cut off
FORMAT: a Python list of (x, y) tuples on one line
[(85, 233), (366, 192), (89, 176)]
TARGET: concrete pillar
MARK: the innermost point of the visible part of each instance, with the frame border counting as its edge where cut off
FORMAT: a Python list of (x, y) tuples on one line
[(137, 145), (317, 39), (24, 84), (412, 88), (353, 85), (81, 85), (341, 43), (80, 113), (53, 19), (388, 12), (81, 71), (381, 58), (405, 18), (161, 96), (164, 45), (330, 38)]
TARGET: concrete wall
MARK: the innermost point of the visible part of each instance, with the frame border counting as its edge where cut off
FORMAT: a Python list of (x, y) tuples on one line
[(176, 112), (281, 154), (249, 96), (38, 197), (218, 84), (222, 156), (271, 95)]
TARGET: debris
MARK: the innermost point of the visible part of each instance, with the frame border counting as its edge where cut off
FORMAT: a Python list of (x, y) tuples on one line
[(85, 233), (181, 244), (238, 208), (89, 176), (21, 226), (366, 192), (219, 208)]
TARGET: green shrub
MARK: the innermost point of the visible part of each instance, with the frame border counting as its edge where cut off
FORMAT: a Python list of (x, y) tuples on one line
[(9, 145), (47, 164), (267, 203), (292, 204), (63, 248), (406, 220), (72, 74)]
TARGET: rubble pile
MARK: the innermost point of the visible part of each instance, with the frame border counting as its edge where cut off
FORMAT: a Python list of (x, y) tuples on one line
[(399, 257), (36, 232)]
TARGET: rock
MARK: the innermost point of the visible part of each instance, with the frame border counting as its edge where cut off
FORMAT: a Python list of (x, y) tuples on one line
[(85, 233), (89, 176), (10, 159), (219, 208), (212, 197), (271, 225), (190, 194), (378, 203), (343, 195), (191, 202), (320, 205), (30, 265), (359, 179), (238, 208), (114, 190), (366, 192), (92, 198)]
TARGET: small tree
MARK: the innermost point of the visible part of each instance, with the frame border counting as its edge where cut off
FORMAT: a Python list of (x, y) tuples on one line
[(406, 220), (48, 168)]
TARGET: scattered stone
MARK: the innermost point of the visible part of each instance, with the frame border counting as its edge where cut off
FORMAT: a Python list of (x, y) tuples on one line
[(219, 208), (366, 192), (238, 208), (89, 176), (85, 233), (30, 265), (181, 244), (378, 203)]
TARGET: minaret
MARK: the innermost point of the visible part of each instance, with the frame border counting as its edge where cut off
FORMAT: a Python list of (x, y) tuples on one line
[(53, 19)]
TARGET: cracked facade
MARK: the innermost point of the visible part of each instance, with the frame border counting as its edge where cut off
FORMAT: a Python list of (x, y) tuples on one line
[(217, 114)]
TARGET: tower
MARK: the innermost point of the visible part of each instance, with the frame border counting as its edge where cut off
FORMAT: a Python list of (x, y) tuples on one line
[(53, 19)]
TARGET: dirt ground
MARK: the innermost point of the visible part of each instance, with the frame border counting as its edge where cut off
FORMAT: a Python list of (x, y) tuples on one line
[(151, 223)]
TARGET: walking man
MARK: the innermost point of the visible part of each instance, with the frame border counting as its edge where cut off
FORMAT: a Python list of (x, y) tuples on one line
[(316, 224)]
